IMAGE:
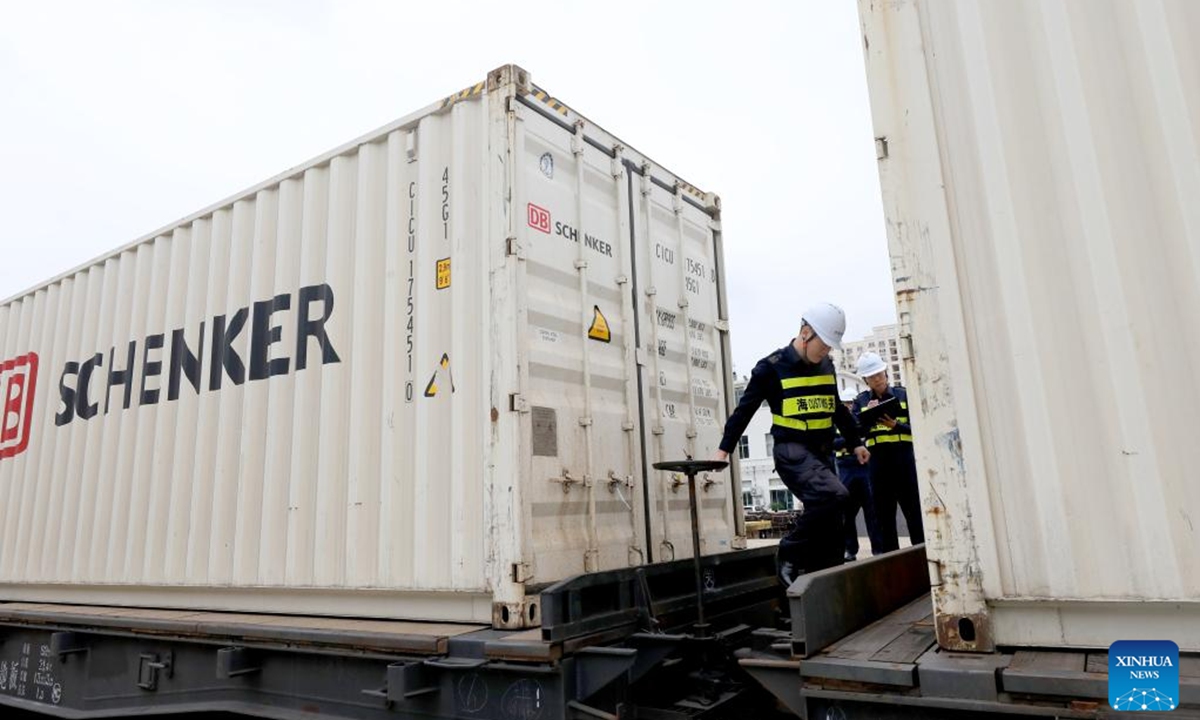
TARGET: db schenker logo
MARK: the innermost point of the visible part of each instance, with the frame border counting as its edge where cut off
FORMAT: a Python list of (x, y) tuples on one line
[(539, 218), (18, 383)]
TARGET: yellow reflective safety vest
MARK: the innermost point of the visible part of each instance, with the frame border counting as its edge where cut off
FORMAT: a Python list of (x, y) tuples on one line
[(807, 403), (880, 434), (803, 401), (807, 400)]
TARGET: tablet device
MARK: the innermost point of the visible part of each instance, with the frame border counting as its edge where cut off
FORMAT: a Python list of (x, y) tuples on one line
[(867, 417)]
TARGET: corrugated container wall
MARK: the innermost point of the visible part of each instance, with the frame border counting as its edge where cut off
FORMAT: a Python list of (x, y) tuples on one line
[(417, 377), (1040, 163)]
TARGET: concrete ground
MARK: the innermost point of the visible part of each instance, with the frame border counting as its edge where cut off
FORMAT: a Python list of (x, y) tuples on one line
[(864, 543)]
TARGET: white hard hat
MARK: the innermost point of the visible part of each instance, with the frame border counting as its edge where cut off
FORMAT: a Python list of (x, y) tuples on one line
[(869, 364), (828, 322), (847, 394)]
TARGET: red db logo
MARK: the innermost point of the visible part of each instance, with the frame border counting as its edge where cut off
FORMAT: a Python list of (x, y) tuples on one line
[(18, 383), (539, 218)]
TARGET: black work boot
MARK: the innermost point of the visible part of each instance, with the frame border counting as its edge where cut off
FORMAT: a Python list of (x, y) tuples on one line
[(788, 572)]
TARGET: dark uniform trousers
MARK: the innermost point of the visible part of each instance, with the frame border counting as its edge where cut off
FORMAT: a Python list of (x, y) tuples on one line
[(893, 471), (857, 479), (894, 480), (805, 411), (817, 538)]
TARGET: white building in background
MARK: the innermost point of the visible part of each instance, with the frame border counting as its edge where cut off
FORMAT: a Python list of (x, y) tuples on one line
[(849, 380), (885, 340), (761, 486)]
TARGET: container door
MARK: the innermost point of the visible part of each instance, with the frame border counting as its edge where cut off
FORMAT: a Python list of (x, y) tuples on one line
[(586, 508), (684, 367)]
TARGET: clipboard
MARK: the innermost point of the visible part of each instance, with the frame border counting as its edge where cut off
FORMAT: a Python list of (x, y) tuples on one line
[(867, 417)]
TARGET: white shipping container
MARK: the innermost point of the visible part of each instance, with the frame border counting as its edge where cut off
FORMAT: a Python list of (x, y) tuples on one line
[(417, 377), (1040, 164)]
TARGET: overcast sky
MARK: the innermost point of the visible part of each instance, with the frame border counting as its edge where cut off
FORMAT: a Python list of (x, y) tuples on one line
[(118, 118)]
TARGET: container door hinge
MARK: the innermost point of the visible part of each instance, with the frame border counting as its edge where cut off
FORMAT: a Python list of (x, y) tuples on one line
[(518, 403), (617, 168), (515, 249), (410, 146), (521, 572), (712, 203), (935, 573), (881, 148)]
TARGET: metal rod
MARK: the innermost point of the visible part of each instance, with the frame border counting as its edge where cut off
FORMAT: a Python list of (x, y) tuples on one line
[(701, 626)]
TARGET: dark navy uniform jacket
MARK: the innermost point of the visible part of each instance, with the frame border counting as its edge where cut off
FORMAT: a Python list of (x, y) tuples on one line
[(880, 436), (803, 401)]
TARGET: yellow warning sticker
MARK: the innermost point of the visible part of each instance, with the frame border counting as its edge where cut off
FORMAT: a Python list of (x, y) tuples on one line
[(431, 390), (443, 273), (599, 329)]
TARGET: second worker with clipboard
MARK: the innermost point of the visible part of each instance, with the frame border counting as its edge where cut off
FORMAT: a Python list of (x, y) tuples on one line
[(892, 466)]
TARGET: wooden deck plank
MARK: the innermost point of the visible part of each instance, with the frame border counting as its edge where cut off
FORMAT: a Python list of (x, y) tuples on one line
[(876, 636), (866, 642), (911, 645), (1062, 674), (1048, 661)]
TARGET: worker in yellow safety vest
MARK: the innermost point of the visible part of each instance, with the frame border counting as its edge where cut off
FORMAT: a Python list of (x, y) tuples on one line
[(893, 468), (799, 383)]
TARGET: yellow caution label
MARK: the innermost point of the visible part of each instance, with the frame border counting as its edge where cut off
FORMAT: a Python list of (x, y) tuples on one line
[(599, 329), (443, 273), (431, 390)]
